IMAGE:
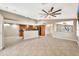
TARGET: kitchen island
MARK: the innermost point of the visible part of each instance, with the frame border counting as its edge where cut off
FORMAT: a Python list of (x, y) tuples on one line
[(28, 34)]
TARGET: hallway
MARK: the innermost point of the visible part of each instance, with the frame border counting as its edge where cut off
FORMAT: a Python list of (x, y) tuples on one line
[(43, 46)]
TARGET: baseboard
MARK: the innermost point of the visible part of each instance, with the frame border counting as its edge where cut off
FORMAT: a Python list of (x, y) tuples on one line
[(78, 40), (17, 37), (66, 39)]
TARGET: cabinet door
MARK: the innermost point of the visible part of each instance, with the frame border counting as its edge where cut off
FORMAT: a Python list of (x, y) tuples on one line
[(21, 34), (42, 30)]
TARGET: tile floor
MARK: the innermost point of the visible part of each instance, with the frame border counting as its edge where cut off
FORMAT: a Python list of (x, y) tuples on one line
[(43, 46)]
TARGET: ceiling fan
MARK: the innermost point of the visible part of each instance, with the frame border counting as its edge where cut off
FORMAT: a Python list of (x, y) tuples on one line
[(51, 12)]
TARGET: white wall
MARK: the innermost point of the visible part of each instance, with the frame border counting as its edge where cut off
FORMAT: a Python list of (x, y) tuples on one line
[(48, 29), (1, 32), (77, 29), (11, 31), (65, 35), (78, 33), (19, 22)]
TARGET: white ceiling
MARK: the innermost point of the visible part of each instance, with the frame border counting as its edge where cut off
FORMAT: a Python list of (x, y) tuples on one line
[(33, 10)]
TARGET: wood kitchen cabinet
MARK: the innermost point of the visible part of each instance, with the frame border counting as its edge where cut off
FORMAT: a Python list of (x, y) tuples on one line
[(42, 30)]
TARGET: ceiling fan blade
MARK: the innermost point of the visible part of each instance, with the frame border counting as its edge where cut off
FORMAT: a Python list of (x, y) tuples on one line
[(42, 14), (56, 14), (44, 11), (51, 9), (53, 15), (56, 11)]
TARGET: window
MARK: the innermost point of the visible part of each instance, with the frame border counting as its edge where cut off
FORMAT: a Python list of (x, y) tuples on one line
[(65, 26)]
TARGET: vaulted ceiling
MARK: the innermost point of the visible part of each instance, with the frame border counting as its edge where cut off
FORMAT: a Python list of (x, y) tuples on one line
[(33, 10)]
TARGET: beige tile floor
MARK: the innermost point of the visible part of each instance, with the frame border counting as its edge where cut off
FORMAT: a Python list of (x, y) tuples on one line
[(43, 46)]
